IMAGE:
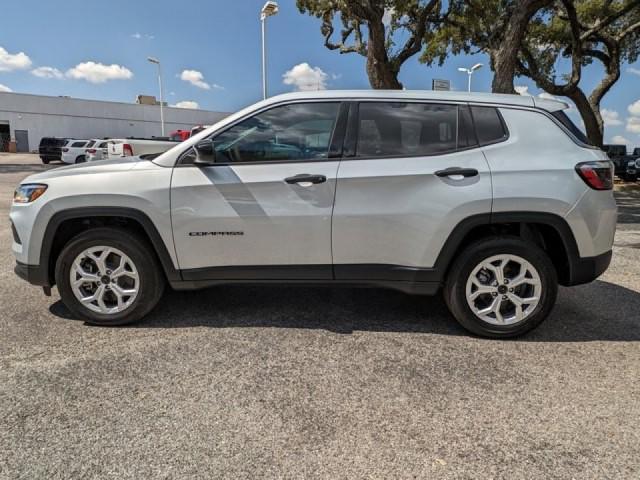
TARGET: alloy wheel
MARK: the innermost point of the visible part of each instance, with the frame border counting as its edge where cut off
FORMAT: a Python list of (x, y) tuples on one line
[(503, 289), (104, 279)]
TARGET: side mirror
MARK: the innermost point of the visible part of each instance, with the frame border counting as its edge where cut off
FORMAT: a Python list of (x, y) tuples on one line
[(205, 153)]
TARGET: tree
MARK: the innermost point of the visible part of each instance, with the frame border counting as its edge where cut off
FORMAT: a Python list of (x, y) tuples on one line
[(494, 27), (528, 37), (364, 31), (584, 32)]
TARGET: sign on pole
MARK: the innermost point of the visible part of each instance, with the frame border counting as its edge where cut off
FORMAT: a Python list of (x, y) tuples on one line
[(440, 85)]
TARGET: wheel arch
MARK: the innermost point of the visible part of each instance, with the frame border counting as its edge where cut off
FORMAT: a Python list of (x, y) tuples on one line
[(65, 224), (549, 231)]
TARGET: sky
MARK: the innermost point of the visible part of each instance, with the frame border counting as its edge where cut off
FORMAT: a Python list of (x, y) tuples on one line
[(211, 56)]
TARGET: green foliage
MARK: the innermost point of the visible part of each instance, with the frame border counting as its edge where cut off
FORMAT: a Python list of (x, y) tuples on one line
[(387, 32), (552, 37)]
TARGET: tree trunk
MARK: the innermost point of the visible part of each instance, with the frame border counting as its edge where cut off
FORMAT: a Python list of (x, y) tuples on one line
[(381, 72), (591, 117), (504, 58)]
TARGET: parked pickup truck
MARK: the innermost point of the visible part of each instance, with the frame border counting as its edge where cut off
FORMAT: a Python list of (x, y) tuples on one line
[(129, 147), (627, 167), (182, 135)]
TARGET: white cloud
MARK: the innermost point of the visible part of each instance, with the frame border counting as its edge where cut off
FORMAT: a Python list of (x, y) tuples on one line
[(13, 61), (195, 78), (187, 104), (634, 108), (304, 77), (522, 90), (99, 73), (47, 72), (611, 118), (620, 140), (4, 88), (635, 71), (139, 36), (633, 124)]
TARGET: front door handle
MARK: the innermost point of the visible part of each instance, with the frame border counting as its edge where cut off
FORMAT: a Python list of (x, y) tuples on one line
[(305, 178), (464, 172)]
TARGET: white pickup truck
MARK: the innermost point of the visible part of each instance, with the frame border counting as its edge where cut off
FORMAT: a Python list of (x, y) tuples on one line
[(129, 147)]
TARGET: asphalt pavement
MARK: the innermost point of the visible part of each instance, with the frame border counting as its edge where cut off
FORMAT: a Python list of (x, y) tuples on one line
[(287, 382)]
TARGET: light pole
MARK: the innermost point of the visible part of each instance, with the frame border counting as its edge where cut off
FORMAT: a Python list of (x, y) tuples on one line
[(157, 62), (469, 72), (270, 8)]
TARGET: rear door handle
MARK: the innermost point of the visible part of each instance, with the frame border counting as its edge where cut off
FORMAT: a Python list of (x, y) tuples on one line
[(305, 178), (464, 172)]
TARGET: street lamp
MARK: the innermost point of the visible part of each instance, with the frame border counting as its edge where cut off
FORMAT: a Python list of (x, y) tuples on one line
[(270, 8), (157, 62), (469, 71)]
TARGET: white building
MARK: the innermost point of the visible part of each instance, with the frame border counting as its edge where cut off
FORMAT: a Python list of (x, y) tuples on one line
[(27, 118)]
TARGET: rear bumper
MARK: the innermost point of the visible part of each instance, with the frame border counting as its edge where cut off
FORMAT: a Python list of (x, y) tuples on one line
[(34, 274), (585, 270)]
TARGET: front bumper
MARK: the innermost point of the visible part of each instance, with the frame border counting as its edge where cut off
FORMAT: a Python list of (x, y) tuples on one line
[(34, 274), (587, 269)]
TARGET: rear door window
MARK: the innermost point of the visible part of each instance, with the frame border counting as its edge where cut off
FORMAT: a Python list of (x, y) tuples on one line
[(78, 144), (389, 129)]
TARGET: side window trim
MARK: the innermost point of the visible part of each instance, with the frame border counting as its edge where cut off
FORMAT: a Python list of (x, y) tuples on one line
[(472, 126), (336, 144), (351, 135), (335, 136)]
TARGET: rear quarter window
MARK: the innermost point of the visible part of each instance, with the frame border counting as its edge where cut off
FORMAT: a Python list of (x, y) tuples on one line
[(489, 125)]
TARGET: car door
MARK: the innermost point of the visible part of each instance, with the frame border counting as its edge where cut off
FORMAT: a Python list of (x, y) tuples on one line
[(411, 172), (262, 210)]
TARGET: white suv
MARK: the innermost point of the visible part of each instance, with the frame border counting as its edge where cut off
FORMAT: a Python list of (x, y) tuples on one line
[(74, 151), (493, 199), (97, 150)]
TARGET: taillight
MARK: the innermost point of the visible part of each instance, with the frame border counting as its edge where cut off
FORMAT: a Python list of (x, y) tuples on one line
[(598, 175), (91, 150), (127, 150), (65, 149)]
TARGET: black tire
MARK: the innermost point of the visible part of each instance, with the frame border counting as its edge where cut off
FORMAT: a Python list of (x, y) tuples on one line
[(455, 286), (81, 159), (45, 160), (152, 281)]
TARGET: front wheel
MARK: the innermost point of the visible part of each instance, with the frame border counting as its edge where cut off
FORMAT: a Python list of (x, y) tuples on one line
[(501, 287), (109, 276)]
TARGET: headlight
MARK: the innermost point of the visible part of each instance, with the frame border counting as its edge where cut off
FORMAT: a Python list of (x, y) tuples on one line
[(28, 192)]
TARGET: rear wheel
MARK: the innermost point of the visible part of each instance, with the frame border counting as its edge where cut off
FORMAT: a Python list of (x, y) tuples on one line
[(109, 276), (501, 287), (45, 160), (81, 159)]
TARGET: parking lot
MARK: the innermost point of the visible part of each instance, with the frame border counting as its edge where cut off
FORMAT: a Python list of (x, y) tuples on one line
[(285, 382)]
